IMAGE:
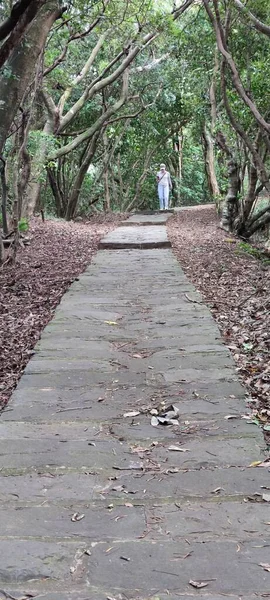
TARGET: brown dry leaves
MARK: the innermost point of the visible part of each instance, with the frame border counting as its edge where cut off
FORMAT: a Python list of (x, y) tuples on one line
[(29, 293), (235, 285)]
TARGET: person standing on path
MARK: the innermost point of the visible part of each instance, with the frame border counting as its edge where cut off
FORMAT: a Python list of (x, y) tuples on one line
[(164, 186)]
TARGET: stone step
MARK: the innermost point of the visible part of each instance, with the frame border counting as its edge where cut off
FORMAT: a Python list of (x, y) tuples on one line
[(145, 220), (137, 237)]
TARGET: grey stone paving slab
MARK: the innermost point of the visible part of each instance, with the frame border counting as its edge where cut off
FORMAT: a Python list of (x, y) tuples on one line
[(16, 455), (101, 404), (88, 593), (136, 237), (50, 452), (53, 523), (151, 566), (26, 560), (130, 334), (236, 521), (140, 219), (80, 488)]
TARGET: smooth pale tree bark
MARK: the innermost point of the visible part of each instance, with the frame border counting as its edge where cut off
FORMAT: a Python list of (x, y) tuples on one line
[(106, 78), (251, 193), (102, 81), (209, 159), (23, 157), (107, 196), (76, 188), (176, 164), (259, 25), (99, 123), (85, 70), (33, 190), (21, 66), (251, 196), (208, 139)]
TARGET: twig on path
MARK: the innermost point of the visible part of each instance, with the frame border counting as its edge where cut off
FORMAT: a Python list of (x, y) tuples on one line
[(165, 572), (127, 468), (193, 301), (73, 408), (24, 597), (250, 296)]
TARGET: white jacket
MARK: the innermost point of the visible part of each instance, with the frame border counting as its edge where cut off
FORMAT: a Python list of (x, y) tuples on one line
[(164, 178)]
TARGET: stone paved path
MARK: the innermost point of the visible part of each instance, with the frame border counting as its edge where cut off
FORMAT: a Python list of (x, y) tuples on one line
[(127, 337)]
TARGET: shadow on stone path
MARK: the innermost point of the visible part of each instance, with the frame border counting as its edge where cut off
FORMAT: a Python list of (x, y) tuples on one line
[(94, 504)]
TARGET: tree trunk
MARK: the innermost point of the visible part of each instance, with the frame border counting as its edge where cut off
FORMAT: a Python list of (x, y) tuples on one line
[(15, 217), (56, 192), (2, 251), (180, 155), (76, 188), (19, 28), (221, 37), (178, 167), (21, 66), (4, 196), (107, 197), (208, 138), (251, 194), (209, 160), (261, 220), (32, 195), (140, 181), (230, 207)]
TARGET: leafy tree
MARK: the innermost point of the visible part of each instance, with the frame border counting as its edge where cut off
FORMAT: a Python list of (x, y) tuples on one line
[(104, 91)]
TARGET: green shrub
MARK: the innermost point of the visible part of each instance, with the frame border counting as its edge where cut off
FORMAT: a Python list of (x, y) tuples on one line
[(23, 225)]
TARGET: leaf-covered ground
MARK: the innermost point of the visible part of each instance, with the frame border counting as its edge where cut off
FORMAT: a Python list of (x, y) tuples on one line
[(29, 292), (236, 286)]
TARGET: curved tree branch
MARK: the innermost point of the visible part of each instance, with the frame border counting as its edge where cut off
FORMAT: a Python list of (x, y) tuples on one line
[(241, 132), (76, 36), (88, 133), (17, 12), (259, 25), (19, 29), (99, 84), (235, 75)]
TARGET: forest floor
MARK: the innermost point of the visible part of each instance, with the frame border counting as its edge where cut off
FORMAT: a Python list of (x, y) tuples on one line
[(236, 286), (30, 291)]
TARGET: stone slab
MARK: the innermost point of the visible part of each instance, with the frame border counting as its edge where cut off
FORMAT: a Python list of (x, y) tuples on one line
[(151, 567), (154, 219), (88, 593), (78, 489), (238, 521), (136, 237), (54, 523)]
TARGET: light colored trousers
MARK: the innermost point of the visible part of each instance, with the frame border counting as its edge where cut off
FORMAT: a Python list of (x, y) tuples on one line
[(163, 194)]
